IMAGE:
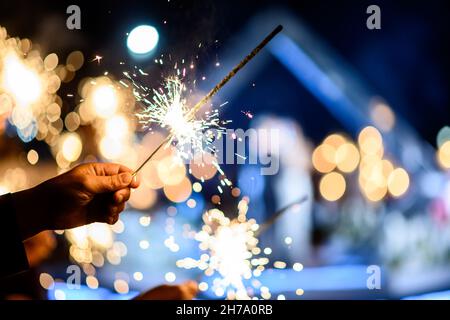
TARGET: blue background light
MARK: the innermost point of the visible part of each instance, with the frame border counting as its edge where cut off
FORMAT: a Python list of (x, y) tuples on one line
[(142, 39)]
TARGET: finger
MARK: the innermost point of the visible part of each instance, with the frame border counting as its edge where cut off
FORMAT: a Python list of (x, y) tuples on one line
[(116, 209), (122, 195), (109, 169), (135, 182), (102, 184), (192, 287)]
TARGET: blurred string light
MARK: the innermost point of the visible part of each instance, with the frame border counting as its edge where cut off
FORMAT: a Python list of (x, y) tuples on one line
[(28, 89), (86, 239), (13, 179), (68, 148), (377, 176), (121, 286), (336, 152), (32, 157), (232, 259), (20, 81), (91, 246), (27, 86), (46, 281), (142, 39), (332, 186), (382, 115), (106, 106), (94, 245)]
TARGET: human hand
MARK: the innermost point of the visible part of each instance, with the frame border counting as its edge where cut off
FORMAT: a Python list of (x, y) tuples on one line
[(184, 291), (93, 192)]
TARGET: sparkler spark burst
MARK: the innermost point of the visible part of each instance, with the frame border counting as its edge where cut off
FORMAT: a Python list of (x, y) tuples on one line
[(233, 258), (191, 114), (167, 108)]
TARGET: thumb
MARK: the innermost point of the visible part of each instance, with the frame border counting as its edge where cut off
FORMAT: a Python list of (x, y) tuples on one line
[(100, 184)]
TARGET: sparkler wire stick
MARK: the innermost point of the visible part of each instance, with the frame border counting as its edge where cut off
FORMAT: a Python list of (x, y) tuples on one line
[(236, 69), (214, 90), (278, 214), (152, 154)]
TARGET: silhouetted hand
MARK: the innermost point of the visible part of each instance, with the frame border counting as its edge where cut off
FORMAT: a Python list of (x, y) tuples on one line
[(185, 291), (94, 192)]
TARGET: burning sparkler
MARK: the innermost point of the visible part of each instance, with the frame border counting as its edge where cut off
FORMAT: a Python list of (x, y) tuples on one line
[(168, 109), (231, 245), (178, 117), (233, 252)]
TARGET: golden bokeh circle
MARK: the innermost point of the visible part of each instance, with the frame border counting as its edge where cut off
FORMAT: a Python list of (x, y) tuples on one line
[(332, 186)]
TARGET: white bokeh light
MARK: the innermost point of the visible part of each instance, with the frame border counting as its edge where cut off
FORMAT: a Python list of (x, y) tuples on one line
[(142, 39)]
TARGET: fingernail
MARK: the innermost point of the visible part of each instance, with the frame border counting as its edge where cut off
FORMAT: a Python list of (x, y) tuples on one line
[(125, 178)]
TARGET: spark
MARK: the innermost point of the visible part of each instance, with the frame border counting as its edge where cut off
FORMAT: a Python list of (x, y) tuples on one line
[(241, 156), (248, 114), (229, 246), (143, 73), (231, 256), (97, 58)]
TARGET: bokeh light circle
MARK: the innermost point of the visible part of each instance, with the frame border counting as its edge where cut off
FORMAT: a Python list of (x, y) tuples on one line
[(398, 182), (332, 186), (180, 192), (142, 39)]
